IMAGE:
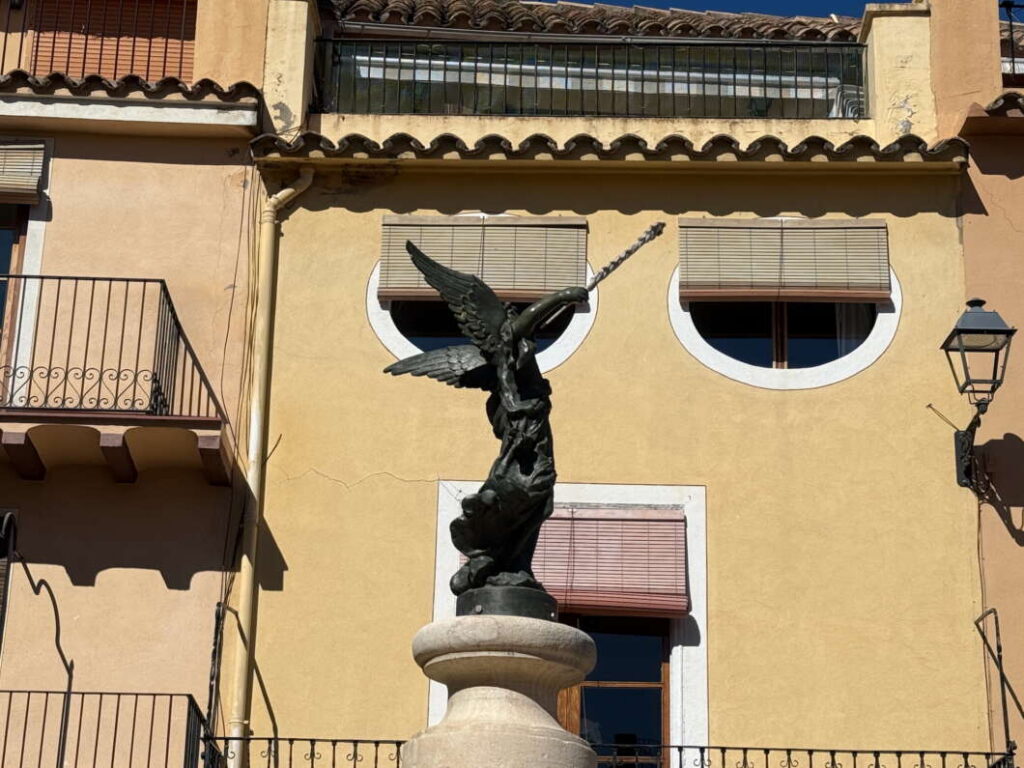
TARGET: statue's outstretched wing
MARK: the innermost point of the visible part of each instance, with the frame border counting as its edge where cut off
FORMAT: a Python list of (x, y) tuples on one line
[(477, 310), (461, 366)]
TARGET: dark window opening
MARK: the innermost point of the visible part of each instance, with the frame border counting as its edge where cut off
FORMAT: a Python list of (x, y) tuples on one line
[(10, 229), (784, 334), (430, 325), (8, 534), (621, 709)]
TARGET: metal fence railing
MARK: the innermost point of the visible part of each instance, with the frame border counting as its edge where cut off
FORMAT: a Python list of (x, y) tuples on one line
[(342, 753), (657, 79), (1010, 29), (260, 752), (97, 344), (149, 38), (102, 730)]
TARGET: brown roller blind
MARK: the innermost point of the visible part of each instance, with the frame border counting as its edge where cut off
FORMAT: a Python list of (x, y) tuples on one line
[(21, 169), (521, 258), (783, 259), (617, 561), (150, 38)]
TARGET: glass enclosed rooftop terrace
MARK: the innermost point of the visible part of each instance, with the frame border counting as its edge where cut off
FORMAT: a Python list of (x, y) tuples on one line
[(700, 79)]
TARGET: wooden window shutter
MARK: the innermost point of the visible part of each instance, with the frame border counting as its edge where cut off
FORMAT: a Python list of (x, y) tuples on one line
[(521, 258), (615, 561), (114, 38), (783, 259), (21, 171)]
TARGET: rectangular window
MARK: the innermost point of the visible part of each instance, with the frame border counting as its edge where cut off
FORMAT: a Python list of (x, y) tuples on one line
[(10, 226), (8, 535), (622, 707)]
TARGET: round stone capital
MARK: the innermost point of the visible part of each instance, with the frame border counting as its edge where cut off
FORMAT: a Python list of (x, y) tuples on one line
[(506, 635)]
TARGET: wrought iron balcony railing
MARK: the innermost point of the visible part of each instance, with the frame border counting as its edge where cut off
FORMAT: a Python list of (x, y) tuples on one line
[(348, 753), (102, 730), (149, 38), (778, 79), (1010, 33), (97, 344)]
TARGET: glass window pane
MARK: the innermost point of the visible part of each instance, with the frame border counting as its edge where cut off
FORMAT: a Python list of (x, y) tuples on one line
[(8, 218), (430, 324), (625, 716), (627, 658), (740, 329), (820, 332)]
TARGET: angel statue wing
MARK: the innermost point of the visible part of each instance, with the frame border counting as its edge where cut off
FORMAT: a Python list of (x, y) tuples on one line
[(479, 314)]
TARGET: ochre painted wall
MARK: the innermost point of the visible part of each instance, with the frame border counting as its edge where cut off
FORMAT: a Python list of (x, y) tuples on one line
[(993, 199), (138, 568), (842, 578), (231, 38), (128, 577), (162, 208)]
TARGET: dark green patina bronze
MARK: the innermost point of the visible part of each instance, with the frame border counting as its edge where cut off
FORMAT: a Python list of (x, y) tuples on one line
[(498, 528), (499, 525)]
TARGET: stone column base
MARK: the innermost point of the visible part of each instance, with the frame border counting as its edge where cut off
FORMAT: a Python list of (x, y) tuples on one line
[(503, 675)]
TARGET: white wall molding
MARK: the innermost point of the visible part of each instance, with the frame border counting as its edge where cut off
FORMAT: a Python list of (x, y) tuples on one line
[(383, 325), (77, 112), (881, 336), (688, 659)]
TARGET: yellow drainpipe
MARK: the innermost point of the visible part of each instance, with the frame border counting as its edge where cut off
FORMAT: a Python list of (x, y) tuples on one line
[(259, 412)]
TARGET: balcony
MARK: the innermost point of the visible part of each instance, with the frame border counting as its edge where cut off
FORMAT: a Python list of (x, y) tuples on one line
[(102, 730), (338, 753), (97, 370), (701, 79), (112, 66), (1011, 43)]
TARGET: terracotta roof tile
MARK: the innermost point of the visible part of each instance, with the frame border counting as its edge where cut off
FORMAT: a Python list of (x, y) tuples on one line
[(21, 81), (583, 18), (1010, 104), (447, 146)]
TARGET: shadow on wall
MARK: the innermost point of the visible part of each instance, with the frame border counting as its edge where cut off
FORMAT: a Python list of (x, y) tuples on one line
[(998, 155), (1001, 461), (379, 189), (170, 520)]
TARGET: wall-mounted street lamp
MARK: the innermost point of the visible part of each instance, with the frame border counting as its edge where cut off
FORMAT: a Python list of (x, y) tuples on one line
[(977, 349)]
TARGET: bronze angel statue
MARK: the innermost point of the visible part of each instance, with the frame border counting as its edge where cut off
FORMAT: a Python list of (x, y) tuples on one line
[(499, 525)]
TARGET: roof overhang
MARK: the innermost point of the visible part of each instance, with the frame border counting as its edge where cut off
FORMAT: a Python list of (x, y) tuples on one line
[(721, 154), (127, 106), (1003, 117)]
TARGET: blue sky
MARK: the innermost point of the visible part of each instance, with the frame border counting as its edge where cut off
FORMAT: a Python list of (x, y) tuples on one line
[(778, 7)]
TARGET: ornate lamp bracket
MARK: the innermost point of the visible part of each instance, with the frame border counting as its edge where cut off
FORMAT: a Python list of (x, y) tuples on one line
[(967, 474)]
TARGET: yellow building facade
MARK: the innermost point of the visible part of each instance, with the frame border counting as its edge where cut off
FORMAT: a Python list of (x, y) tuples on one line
[(269, 542)]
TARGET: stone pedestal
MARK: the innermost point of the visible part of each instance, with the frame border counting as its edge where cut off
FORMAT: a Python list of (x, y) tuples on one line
[(503, 675)]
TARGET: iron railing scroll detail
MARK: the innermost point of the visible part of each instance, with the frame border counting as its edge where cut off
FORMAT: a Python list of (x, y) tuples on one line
[(109, 345), (267, 752), (700, 79)]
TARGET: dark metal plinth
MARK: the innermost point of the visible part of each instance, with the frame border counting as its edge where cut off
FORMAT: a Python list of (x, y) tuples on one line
[(507, 601)]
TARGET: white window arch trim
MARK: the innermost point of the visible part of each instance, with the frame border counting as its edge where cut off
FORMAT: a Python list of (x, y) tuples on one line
[(379, 315), (881, 336), (688, 636)]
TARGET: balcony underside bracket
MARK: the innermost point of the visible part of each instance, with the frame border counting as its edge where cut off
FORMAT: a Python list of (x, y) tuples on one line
[(119, 458), (22, 454)]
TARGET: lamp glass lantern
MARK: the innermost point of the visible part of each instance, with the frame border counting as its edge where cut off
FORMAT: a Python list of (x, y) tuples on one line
[(977, 350)]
